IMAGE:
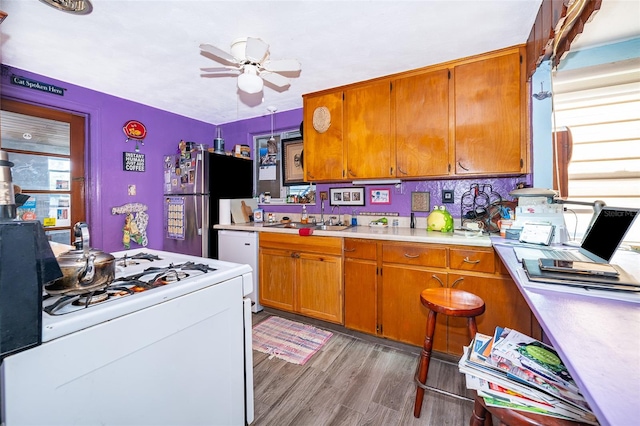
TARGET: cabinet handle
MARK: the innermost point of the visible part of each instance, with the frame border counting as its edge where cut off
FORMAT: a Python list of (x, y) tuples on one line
[(401, 171), (411, 256), (456, 282), (435, 277), (352, 174), (467, 260), (349, 250), (462, 167), (295, 255), (310, 175)]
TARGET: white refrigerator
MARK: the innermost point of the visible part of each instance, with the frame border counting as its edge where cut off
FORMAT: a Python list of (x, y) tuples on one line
[(242, 247)]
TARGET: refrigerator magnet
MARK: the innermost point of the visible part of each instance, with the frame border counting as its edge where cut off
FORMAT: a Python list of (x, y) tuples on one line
[(258, 215)]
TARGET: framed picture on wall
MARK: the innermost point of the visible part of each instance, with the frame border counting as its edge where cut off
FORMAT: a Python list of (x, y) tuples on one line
[(292, 166), (380, 196), (346, 196)]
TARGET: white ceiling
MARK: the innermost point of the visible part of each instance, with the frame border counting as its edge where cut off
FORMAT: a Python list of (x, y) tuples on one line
[(147, 51)]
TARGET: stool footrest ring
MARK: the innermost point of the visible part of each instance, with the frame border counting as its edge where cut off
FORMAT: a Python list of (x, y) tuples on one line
[(444, 392)]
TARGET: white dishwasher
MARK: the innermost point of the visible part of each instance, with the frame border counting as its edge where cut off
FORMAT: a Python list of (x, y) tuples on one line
[(242, 247)]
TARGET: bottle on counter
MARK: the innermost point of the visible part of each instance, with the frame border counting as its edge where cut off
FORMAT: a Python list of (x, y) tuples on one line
[(304, 218)]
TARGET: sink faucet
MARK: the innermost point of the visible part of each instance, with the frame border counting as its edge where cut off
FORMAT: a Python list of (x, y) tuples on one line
[(321, 212), (339, 216)]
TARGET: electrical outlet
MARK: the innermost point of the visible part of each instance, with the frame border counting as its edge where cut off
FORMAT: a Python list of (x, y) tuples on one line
[(447, 196)]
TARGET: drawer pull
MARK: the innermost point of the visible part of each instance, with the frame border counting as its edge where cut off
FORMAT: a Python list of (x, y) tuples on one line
[(411, 256), (435, 277), (456, 282), (467, 260), (349, 250), (295, 255)]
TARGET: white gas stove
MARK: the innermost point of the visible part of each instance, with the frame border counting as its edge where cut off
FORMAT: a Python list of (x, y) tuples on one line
[(144, 278), (173, 342)]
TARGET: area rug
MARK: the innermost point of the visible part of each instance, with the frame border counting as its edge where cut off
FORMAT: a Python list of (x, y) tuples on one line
[(288, 340)]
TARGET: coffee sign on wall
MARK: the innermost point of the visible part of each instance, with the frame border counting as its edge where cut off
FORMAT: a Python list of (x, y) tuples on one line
[(132, 162)]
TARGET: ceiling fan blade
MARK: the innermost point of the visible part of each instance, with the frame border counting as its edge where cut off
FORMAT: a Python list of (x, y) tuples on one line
[(256, 50), (218, 69), (275, 79), (282, 65), (219, 53)]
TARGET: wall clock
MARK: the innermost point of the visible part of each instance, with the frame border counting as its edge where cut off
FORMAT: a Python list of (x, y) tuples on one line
[(321, 119)]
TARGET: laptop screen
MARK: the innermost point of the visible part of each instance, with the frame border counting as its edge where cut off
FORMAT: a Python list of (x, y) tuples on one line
[(607, 232)]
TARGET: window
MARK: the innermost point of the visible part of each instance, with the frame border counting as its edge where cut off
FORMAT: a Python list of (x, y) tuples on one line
[(47, 149), (600, 107), (268, 166)]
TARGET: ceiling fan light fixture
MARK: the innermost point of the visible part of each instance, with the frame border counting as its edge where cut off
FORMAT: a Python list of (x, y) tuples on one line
[(249, 81), (77, 7)]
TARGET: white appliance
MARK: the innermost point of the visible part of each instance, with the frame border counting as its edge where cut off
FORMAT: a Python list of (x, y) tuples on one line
[(170, 345), (242, 247)]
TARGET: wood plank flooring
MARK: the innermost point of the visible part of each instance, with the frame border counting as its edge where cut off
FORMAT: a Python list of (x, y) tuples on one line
[(354, 379)]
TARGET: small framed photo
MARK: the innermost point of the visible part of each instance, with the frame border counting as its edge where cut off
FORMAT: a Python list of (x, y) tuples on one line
[(346, 196), (380, 196), (292, 162)]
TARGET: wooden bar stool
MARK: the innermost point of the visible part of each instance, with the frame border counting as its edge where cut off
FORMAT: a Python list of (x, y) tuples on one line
[(482, 415), (447, 301)]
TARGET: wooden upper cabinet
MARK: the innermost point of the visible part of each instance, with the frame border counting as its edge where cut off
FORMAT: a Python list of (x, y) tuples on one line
[(323, 149), (422, 124), (489, 116), (368, 140)]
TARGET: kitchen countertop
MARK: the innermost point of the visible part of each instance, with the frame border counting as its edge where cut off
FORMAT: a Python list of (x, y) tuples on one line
[(596, 334), (391, 233)]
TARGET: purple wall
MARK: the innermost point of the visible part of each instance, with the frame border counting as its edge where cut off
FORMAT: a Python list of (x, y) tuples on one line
[(107, 183)]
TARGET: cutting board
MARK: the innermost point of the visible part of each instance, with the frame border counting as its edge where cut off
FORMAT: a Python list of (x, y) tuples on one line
[(242, 209)]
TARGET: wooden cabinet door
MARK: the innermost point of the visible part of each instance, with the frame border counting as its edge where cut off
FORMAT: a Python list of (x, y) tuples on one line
[(360, 284), (323, 150), (504, 306), (320, 286), (488, 116), (404, 319), (277, 278), (368, 140), (422, 124)]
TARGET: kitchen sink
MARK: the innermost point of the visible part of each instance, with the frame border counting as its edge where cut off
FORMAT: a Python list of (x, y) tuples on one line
[(300, 225), (293, 225), (332, 227)]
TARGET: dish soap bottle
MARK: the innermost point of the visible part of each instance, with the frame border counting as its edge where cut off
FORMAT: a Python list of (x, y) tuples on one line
[(304, 218)]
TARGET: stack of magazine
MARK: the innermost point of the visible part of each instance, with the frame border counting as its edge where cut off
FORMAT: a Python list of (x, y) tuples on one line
[(512, 370)]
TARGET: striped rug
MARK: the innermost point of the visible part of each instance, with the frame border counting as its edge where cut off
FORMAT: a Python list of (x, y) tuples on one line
[(288, 340)]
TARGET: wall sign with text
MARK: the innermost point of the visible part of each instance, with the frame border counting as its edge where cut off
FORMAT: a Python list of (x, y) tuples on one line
[(133, 162)]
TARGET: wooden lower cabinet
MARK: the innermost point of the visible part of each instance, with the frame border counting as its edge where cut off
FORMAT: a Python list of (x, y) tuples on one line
[(360, 285), (403, 318), (382, 292), (319, 286), (504, 306), (303, 275)]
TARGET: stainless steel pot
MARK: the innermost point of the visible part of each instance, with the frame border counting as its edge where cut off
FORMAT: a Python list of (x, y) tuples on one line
[(84, 269)]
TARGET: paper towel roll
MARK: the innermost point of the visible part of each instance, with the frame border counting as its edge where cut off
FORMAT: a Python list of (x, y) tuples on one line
[(225, 212)]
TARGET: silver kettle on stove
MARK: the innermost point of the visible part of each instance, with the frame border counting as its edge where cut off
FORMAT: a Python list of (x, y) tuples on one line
[(84, 269)]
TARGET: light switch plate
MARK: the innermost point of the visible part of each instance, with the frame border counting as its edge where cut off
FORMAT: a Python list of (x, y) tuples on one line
[(447, 196)]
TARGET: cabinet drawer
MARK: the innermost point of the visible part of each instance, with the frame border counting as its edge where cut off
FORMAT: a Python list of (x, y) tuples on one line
[(472, 260), (415, 254), (359, 249)]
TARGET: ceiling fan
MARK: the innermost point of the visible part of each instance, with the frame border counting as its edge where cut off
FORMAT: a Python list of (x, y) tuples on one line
[(249, 57)]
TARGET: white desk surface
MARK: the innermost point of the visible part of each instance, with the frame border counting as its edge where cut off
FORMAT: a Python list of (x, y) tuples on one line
[(596, 333)]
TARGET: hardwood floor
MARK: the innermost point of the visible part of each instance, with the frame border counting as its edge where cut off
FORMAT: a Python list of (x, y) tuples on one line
[(354, 379)]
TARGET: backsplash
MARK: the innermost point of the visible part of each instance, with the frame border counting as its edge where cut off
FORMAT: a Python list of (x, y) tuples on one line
[(400, 195)]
